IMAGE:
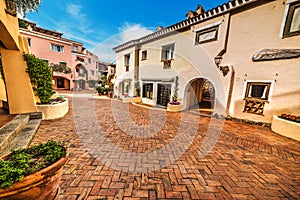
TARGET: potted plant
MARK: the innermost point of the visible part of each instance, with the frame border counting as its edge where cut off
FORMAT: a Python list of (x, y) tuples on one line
[(40, 75), (174, 105), (33, 172), (137, 98)]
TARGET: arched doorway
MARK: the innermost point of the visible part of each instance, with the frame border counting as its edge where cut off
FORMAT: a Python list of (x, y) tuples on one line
[(61, 83), (200, 94)]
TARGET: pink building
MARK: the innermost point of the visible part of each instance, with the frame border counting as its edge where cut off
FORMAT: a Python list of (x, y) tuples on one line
[(51, 47)]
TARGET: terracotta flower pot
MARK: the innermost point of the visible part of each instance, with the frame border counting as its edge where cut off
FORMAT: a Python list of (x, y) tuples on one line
[(41, 185)]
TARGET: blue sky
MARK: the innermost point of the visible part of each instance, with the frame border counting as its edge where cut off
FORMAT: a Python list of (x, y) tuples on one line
[(101, 25)]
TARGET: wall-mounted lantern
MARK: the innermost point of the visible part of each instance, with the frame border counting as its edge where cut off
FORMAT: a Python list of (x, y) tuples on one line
[(224, 69)]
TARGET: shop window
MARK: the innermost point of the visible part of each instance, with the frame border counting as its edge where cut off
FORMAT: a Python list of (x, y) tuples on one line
[(148, 90)]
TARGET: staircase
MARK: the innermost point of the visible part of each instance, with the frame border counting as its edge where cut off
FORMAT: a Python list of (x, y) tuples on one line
[(19, 132)]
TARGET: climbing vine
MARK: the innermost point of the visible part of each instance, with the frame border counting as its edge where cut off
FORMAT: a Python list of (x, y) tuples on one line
[(40, 77)]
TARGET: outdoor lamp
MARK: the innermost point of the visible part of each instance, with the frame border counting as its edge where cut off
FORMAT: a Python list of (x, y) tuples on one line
[(224, 69), (218, 60)]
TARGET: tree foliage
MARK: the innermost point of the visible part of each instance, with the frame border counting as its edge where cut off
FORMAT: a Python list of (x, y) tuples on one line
[(22, 6), (175, 92)]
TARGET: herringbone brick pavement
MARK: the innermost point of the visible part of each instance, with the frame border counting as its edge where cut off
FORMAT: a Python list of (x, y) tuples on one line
[(247, 162)]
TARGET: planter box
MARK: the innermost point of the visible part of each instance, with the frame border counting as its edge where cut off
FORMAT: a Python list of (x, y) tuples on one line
[(135, 99), (125, 100), (41, 185), (286, 128), (173, 108), (53, 111)]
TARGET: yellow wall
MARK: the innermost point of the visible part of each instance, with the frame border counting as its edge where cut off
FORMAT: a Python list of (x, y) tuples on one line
[(18, 87)]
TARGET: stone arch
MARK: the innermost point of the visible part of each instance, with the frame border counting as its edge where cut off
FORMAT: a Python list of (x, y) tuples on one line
[(200, 93)]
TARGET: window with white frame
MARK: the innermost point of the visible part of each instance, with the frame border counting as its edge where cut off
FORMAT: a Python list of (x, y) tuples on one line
[(258, 90), (127, 62), (57, 48), (148, 90), (292, 21), (144, 55), (256, 95), (207, 35), (167, 52)]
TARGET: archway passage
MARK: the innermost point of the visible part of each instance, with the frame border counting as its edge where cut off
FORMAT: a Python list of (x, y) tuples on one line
[(200, 95)]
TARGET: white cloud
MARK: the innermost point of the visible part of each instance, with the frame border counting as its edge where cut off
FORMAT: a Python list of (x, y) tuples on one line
[(74, 10), (127, 33), (79, 20), (133, 31)]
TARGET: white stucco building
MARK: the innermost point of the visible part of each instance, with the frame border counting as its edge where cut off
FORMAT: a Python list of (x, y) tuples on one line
[(241, 59)]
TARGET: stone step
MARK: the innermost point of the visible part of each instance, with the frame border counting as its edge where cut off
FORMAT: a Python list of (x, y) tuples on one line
[(24, 137), (9, 131)]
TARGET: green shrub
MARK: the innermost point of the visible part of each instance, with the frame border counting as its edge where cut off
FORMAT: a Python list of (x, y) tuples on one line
[(27, 161), (40, 76)]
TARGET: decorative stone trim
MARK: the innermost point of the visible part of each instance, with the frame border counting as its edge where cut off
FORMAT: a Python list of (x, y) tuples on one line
[(219, 10), (275, 54)]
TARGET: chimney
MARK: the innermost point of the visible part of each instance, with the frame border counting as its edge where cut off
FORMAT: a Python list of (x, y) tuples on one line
[(190, 14), (159, 28), (199, 9)]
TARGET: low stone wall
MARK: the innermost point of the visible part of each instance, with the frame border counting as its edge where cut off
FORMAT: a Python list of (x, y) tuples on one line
[(286, 128), (53, 111)]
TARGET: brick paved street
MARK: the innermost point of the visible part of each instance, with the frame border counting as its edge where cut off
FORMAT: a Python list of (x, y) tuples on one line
[(124, 159)]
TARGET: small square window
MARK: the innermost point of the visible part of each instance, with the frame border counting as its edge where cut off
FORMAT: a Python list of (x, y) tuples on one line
[(292, 25), (75, 48), (207, 35), (144, 55)]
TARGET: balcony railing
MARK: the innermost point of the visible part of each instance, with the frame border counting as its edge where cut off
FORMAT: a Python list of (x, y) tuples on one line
[(11, 7), (167, 64)]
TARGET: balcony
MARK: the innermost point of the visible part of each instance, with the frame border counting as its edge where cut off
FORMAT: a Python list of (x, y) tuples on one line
[(167, 64)]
